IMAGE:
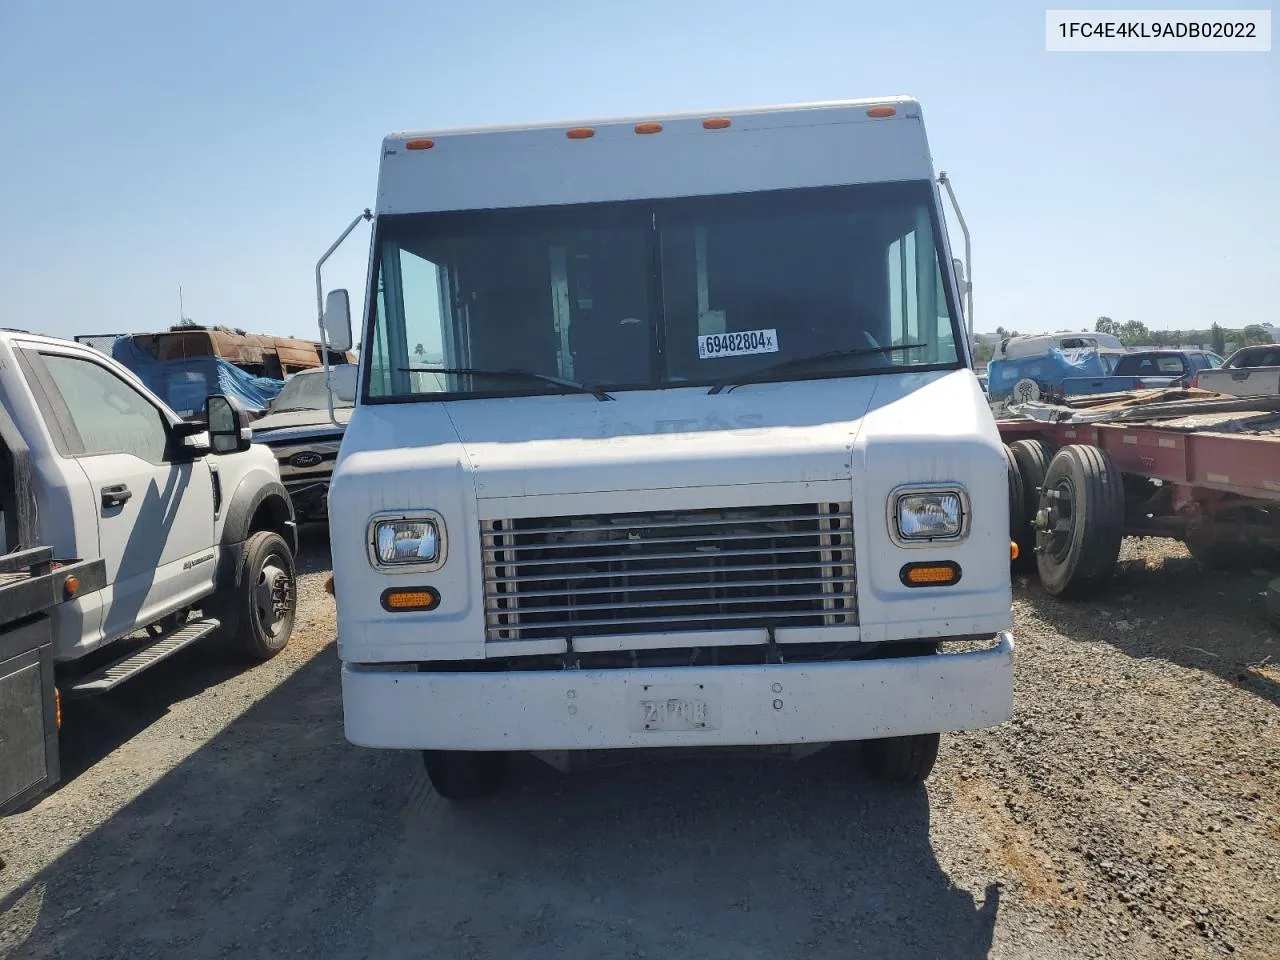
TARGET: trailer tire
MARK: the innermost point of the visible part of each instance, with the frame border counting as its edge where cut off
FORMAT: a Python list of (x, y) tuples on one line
[(461, 775), (903, 759), (1032, 462), (1080, 523), (1017, 505)]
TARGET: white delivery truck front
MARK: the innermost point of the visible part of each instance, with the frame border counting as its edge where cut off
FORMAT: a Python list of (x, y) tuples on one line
[(666, 435)]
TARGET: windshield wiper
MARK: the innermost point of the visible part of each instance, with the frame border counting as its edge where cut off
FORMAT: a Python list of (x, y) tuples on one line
[(796, 362), (573, 385)]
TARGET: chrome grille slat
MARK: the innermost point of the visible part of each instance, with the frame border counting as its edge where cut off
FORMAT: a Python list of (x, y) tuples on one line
[(587, 591), (663, 572), (655, 541), (710, 551), (669, 571), (682, 602), (575, 627), (655, 523)]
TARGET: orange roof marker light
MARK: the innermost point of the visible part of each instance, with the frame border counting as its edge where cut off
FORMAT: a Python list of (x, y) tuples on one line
[(648, 128), (879, 112), (716, 123), (419, 144), (580, 133)]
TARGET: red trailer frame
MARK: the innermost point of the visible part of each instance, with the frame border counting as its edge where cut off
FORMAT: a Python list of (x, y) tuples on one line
[(1188, 478), (1244, 464)]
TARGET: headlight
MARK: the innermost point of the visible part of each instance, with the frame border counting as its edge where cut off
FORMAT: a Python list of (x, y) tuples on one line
[(406, 542), (930, 516)]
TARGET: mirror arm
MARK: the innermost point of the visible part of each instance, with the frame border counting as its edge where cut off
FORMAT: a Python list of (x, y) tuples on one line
[(324, 340), (966, 289)]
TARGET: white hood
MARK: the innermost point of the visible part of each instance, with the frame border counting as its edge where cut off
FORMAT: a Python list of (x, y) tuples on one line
[(533, 446)]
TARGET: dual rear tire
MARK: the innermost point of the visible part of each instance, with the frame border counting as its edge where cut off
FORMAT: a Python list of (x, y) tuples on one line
[(1066, 515)]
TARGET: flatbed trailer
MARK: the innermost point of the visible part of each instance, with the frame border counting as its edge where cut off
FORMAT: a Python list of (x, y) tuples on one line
[(1201, 468), (32, 584)]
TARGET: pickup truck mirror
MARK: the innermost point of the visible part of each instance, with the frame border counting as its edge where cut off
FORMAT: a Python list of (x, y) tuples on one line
[(183, 433), (342, 381), (229, 430), (336, 322)]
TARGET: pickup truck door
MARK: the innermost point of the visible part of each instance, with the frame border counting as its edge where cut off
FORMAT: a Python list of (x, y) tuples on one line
[(154, 505)]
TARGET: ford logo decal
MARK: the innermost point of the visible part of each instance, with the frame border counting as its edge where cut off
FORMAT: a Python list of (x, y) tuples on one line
[(305, 459)]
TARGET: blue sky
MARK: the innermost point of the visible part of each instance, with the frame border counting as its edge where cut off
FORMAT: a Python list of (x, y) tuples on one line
[(223, 146)]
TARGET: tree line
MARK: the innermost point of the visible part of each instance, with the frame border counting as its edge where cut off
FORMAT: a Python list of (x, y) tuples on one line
[(1135, 333)]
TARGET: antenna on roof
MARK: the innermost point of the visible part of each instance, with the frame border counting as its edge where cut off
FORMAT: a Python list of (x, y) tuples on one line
[(183, 319)]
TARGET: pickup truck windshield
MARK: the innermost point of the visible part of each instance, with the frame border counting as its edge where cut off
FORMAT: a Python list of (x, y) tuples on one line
[(650, 294), (305, 391)]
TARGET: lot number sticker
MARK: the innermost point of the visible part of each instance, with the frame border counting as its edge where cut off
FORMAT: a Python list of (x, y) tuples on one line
[(737, 344)]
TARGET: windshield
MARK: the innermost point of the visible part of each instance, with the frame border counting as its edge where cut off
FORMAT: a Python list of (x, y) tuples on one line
[(1168, 365), (649, 294), (305, 391)]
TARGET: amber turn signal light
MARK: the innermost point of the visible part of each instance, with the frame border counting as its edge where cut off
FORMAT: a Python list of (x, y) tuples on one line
[(936, 574), (1013, 550), (70, 586), (410, 599)]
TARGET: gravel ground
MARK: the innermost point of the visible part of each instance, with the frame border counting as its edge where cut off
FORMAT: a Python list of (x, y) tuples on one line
[(1131, 808)]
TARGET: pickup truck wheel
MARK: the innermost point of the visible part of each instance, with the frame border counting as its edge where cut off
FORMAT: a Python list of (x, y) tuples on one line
[(1032, 459), (259, 617), (1080, 522), (903, 759), (465, 775)]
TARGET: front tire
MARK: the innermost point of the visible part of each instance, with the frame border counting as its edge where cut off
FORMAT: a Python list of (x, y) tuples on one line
[(903, 759), (461, 775), (259, 613)]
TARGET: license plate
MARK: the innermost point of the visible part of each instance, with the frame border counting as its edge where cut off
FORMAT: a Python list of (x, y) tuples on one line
[(671, 709)]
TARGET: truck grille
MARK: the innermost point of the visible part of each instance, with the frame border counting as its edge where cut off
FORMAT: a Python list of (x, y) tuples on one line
[(789, 566)]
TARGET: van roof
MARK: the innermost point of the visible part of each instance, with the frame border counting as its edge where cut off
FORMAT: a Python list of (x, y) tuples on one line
[(906, 106)]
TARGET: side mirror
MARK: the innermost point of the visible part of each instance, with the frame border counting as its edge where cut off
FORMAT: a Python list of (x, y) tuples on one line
[(337, 321), (343, 382), (190, 437), (229, 430)]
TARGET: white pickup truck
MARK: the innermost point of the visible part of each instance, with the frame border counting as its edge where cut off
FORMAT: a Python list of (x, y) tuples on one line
[(1249, 372), (150, 518), (667, 435)]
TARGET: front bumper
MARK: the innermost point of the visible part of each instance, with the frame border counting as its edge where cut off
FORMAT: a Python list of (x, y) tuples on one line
[(742, 705), (310, 497)]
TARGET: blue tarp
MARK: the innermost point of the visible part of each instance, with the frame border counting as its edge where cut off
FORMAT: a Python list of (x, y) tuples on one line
[(1047, 369), (185, 384)]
